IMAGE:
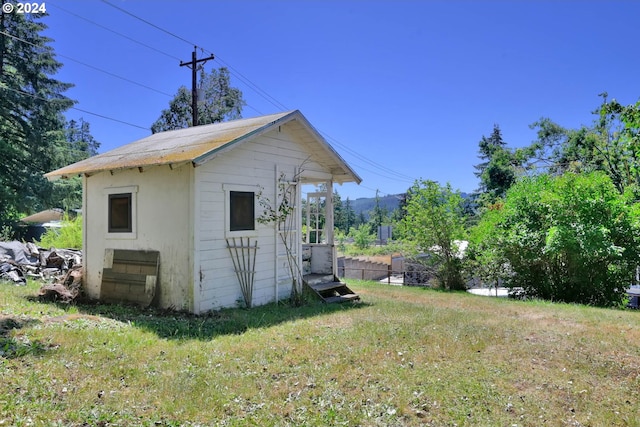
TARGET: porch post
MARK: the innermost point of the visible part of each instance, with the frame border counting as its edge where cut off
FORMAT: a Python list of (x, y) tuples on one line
[(328, 214), (298, 222)]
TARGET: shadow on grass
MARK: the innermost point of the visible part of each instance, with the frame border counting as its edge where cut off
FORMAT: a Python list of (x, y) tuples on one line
[(14, 347), (177, 325)]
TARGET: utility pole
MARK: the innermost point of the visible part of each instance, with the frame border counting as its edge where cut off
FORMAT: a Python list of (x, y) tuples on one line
[(194, 83)]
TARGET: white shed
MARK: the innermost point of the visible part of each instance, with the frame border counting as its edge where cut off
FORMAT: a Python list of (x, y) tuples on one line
[(159, 213)]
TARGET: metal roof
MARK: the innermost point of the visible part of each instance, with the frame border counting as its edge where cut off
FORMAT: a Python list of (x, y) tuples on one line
[(44, 216), (198, 145)]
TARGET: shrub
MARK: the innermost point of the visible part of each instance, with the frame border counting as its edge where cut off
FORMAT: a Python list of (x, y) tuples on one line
[(68, 236), (362, 237), (571, 238), (434, 224)]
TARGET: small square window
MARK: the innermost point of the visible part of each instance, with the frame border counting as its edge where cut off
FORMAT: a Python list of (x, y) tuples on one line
[(120, 218), (241, 210)]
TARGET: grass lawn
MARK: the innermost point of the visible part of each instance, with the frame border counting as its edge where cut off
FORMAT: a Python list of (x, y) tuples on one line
[(403, 356)]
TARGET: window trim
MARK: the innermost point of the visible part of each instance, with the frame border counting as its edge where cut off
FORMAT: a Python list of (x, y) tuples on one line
[(133, 192), (228, 189)]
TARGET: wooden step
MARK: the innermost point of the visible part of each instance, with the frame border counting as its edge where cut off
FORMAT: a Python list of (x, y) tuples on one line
[(342, 298), (331, 291), (314, 279), (326, 286)]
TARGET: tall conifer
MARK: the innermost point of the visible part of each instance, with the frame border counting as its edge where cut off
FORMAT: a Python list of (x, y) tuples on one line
[(31, 120)]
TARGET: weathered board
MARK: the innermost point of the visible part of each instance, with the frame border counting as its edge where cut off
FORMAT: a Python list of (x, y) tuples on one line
[(129, 276), (329, 289)]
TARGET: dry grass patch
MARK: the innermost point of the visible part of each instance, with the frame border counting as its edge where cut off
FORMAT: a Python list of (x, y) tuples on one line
[(405, 356)]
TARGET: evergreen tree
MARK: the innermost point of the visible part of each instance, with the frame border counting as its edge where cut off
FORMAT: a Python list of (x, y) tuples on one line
[(497, 172), (81, 142), (378, 215), (398, 215), (349, 216), (31, 121), (67, 193), (339, 220)]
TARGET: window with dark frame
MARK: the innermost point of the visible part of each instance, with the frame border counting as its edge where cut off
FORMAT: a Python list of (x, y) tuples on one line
[(120, 218), (241, 210)]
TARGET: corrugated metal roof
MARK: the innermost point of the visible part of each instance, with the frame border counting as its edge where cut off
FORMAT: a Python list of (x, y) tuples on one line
[(196, 144)]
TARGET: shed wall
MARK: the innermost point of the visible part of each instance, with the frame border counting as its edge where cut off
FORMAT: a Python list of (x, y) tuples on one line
[(254, 165), (163, 222)]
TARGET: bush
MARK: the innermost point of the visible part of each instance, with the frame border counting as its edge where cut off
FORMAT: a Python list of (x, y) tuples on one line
[(434, 224), (362, 236), (571, 238), (68, 236)]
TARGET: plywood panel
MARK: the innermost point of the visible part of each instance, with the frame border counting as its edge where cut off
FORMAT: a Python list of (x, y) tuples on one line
[(131, 277)]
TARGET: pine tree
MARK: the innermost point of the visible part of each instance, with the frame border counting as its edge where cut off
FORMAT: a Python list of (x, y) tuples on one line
[(339, 219), (31, 120), (497, 171)]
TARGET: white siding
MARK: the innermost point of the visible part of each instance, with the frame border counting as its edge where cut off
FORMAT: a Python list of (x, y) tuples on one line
[(253, 164), (164, 213), (181, 213)]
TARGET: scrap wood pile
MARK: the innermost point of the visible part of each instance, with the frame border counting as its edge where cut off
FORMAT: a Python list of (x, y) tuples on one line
[(60, 268)]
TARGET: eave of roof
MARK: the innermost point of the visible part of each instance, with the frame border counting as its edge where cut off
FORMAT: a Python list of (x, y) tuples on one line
[(171, 147), (196, 145)]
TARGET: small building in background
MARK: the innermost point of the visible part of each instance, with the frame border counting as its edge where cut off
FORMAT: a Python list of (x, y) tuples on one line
[(32, 227)]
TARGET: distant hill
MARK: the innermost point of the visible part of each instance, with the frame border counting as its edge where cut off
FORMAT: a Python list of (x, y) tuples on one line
[(391, 202), (366, 205)]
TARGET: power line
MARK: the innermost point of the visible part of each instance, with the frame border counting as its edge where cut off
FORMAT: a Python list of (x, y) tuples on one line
[(91, 66), (382, 175), (235, 72), (399, 176), (148, 23), (111, 118), (115, 32), (394, 175), (76, 108), (375, 190), (252, 85)]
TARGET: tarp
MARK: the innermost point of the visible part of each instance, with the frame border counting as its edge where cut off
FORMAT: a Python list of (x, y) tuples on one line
[(18, 252), (19, 260)]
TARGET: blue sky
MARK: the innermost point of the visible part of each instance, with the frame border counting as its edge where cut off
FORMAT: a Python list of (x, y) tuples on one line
[(402, 89)]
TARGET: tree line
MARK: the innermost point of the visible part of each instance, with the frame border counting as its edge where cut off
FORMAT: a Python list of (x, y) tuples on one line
[(558, 219), (561, 219)]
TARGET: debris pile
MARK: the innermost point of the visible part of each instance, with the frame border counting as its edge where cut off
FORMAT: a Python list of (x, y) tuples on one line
[(65, 290), (61, 267)]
